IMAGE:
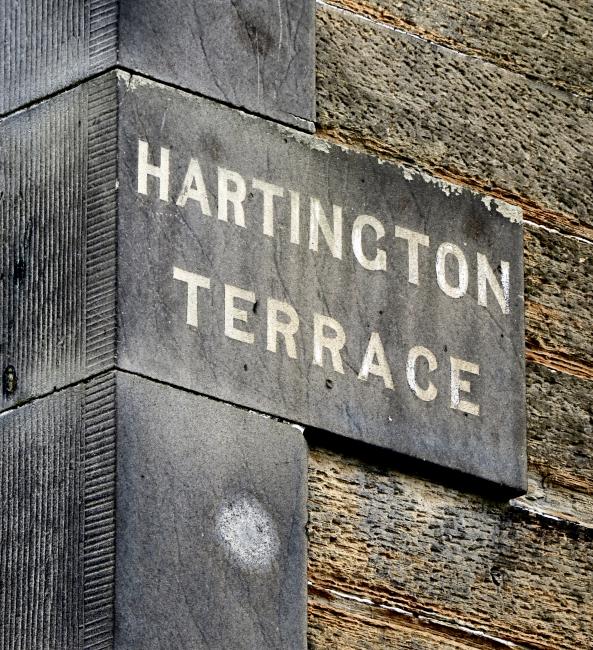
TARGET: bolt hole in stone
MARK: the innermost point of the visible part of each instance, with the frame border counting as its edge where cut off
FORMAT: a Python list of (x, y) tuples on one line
[(9, 380), (496, 575), (248, 534)]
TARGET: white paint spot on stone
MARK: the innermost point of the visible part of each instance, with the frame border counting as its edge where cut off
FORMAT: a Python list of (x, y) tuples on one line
[(248, 533), (511, 212), (445, 187), (487, 201)]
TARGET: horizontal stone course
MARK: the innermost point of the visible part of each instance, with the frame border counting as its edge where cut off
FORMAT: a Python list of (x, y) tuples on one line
[(549, 40), (405, 98)]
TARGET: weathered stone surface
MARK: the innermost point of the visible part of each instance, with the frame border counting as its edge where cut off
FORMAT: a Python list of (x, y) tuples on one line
[(409, 99), (560, 428), (549, 40), (58, 165), (452, 558), (174, 330), (211, 549), (256, 54), (57, 463), (337, 621), (558, 299), (48, 46)]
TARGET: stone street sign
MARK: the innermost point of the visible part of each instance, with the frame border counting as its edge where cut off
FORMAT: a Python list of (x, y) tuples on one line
[(196, 45), (179, 239), (274, 270), (211, 511)]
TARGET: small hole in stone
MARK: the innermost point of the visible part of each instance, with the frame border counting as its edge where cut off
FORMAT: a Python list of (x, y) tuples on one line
[(329, 383), (9, 380)]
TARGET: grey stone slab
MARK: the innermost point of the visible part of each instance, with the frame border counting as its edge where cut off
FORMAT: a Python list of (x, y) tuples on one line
[(50, 45), (444, 378), (211, 513), (257, 54)]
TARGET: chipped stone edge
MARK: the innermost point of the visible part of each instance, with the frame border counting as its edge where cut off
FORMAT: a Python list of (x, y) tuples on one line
[(512, 213)]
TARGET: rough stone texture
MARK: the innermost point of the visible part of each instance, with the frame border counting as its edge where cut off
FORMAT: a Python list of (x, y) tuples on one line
[(57, 222), (57, 461), (447, 557), (549, 40), (558, 299), (211, 513), (257, 54), (336, 622), (560, 428), (158, 234), (405, 98), (398, 561)]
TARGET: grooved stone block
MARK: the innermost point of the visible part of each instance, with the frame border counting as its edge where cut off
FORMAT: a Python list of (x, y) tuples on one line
[(58, 164), (210, 542), (248, 261), (48, 46), (57, 469)]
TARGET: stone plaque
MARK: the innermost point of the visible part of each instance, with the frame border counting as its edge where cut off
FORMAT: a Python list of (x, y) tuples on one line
[(245, 260), (278, 271), (211, 513), (49, 46)]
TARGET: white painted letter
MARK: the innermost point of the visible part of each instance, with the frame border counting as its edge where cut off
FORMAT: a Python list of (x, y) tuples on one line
[(269, 191), (380, 261), (380, 367), (429, 393), (232, 313), (158, 171), (445, 249), (414, 240), (319, 220), (235, 196), (487, 275), (287, 328), (198, 193), (462, 385), (333, 343), (193, 281)]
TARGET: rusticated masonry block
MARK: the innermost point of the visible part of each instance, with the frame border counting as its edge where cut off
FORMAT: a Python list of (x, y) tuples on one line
[(48, 46), (164, 234), (211, 512), (57, 217), (57, 467)]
